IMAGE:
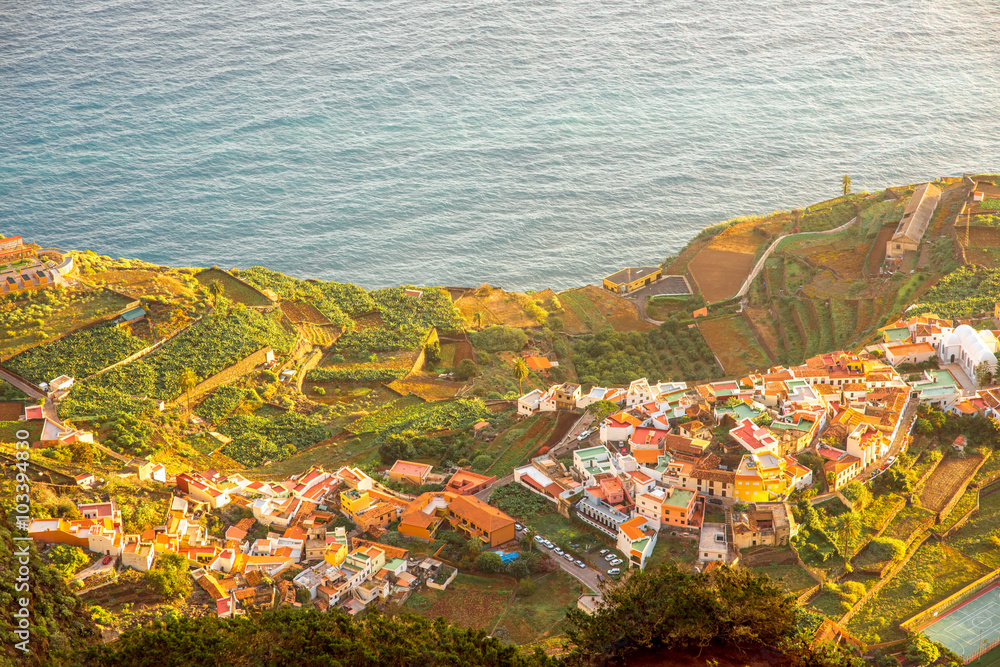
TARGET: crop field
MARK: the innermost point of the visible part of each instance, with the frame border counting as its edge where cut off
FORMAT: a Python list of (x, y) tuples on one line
[(961, 508), (144, 283), (426, 388), (935, 572), (497, 307), (719, 274), (386, 367), (766, 327), (945, 481), (301, 312), (974, 539), (595, 308), (790, 577), (980, 236), (520, 443), (232, 289), (909, 521), (78, 355), (8, 431), (59, 313), (540, 615), (747, 234), (410, 412), (734, 344), (474, 602)]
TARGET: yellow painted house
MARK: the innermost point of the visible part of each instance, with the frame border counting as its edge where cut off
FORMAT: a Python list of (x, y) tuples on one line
[(336, 551), (760, 478), (353, 501), (632, 278)]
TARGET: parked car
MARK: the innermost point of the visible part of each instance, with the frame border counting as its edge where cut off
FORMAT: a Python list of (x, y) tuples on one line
[(614, 570), (610, 557), (539, 538), (583, 435), (518, 526), (106, 560), (558, 551), (603, 551), (891, 460), (624, 451), (549, 545), (617, 561), (581, 564), (568, 557), (715, 501)]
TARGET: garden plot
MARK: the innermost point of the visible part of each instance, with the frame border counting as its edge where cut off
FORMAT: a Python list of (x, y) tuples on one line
[(978, 538), (496, 306), (945, 481), (933, 573), (719, 274), (734, 344), (474, 602), (232, 288), (592, 308)]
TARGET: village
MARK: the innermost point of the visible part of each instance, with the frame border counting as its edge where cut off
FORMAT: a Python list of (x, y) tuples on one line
[(225, 442)]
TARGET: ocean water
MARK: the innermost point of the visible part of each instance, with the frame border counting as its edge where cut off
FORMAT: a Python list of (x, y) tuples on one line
[(527, 143)]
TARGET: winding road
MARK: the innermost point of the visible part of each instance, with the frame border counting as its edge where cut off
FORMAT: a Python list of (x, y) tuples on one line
[(760, 263)]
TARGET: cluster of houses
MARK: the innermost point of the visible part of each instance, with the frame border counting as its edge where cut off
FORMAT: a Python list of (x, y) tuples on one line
[(21, 270), (655, 467), (239, 570), (920, 339)]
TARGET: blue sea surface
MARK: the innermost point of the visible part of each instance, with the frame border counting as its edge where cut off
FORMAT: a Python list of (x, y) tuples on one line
[(525, 143)]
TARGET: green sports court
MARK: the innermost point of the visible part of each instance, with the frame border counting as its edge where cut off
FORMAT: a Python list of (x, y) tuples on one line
[(968, 629)]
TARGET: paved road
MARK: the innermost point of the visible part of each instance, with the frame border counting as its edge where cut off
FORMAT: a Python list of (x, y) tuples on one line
[(23, 386)]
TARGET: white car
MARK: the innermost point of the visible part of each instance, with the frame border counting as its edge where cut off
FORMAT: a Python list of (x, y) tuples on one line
[(604, 551), (581, 564), (617, 561), (549, 545), (539, 538), (614, 570), (558, 551), (610, 557), (891, 460), (518, 526), (568, 557)]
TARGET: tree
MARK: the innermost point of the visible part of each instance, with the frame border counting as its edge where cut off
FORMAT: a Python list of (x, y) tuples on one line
[(67, 559), (432, 353), (170, 577), (215, 288), (499, 338), (477, 319), (984, 373), (845, 181), (482, 462), (466, 369), (887, 548), (763, 419), (923, 426), (921, 650), (187, 382), (520, 373), (849, 530)]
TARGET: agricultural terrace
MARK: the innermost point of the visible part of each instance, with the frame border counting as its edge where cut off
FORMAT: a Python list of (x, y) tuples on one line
[(258, 439), (221, 403), (232, 288), (206, 347), (592, 309), (78, 355), (719, 274), (945, 481), (362, 366), (519, 443), (149, 282), (933, 573), (791, 577), (29, 318), (978, 538), (736, 360), (964, 292), (486, 306), (337, 301), (672, 351), (411, 414), (405, 320)]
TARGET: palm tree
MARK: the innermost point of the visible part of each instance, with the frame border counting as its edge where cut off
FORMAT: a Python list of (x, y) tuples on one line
[(849, 531), (188, 381), (845, 180), (477, 318), (520, 373), (216, 289)]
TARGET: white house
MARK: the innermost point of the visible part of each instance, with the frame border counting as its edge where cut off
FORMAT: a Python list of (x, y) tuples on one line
[(530, 403), (968, 348), (636, 539), (639, 392)]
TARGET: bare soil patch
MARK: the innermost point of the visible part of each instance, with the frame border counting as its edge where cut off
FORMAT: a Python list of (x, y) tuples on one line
[(300, 312), (719, 274), (980, 237), (496, 306), (733, 344), (878, 248), (945, 481), (565, 423)]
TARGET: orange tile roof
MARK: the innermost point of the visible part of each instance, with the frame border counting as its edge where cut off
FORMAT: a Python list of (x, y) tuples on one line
[(538, 363), (633, 528), (483, 515), (410, 469)]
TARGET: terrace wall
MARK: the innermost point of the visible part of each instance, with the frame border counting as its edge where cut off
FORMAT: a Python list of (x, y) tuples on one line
[(152, 348), (950, 505), (228, 374), (925, 617), (877, 586)]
